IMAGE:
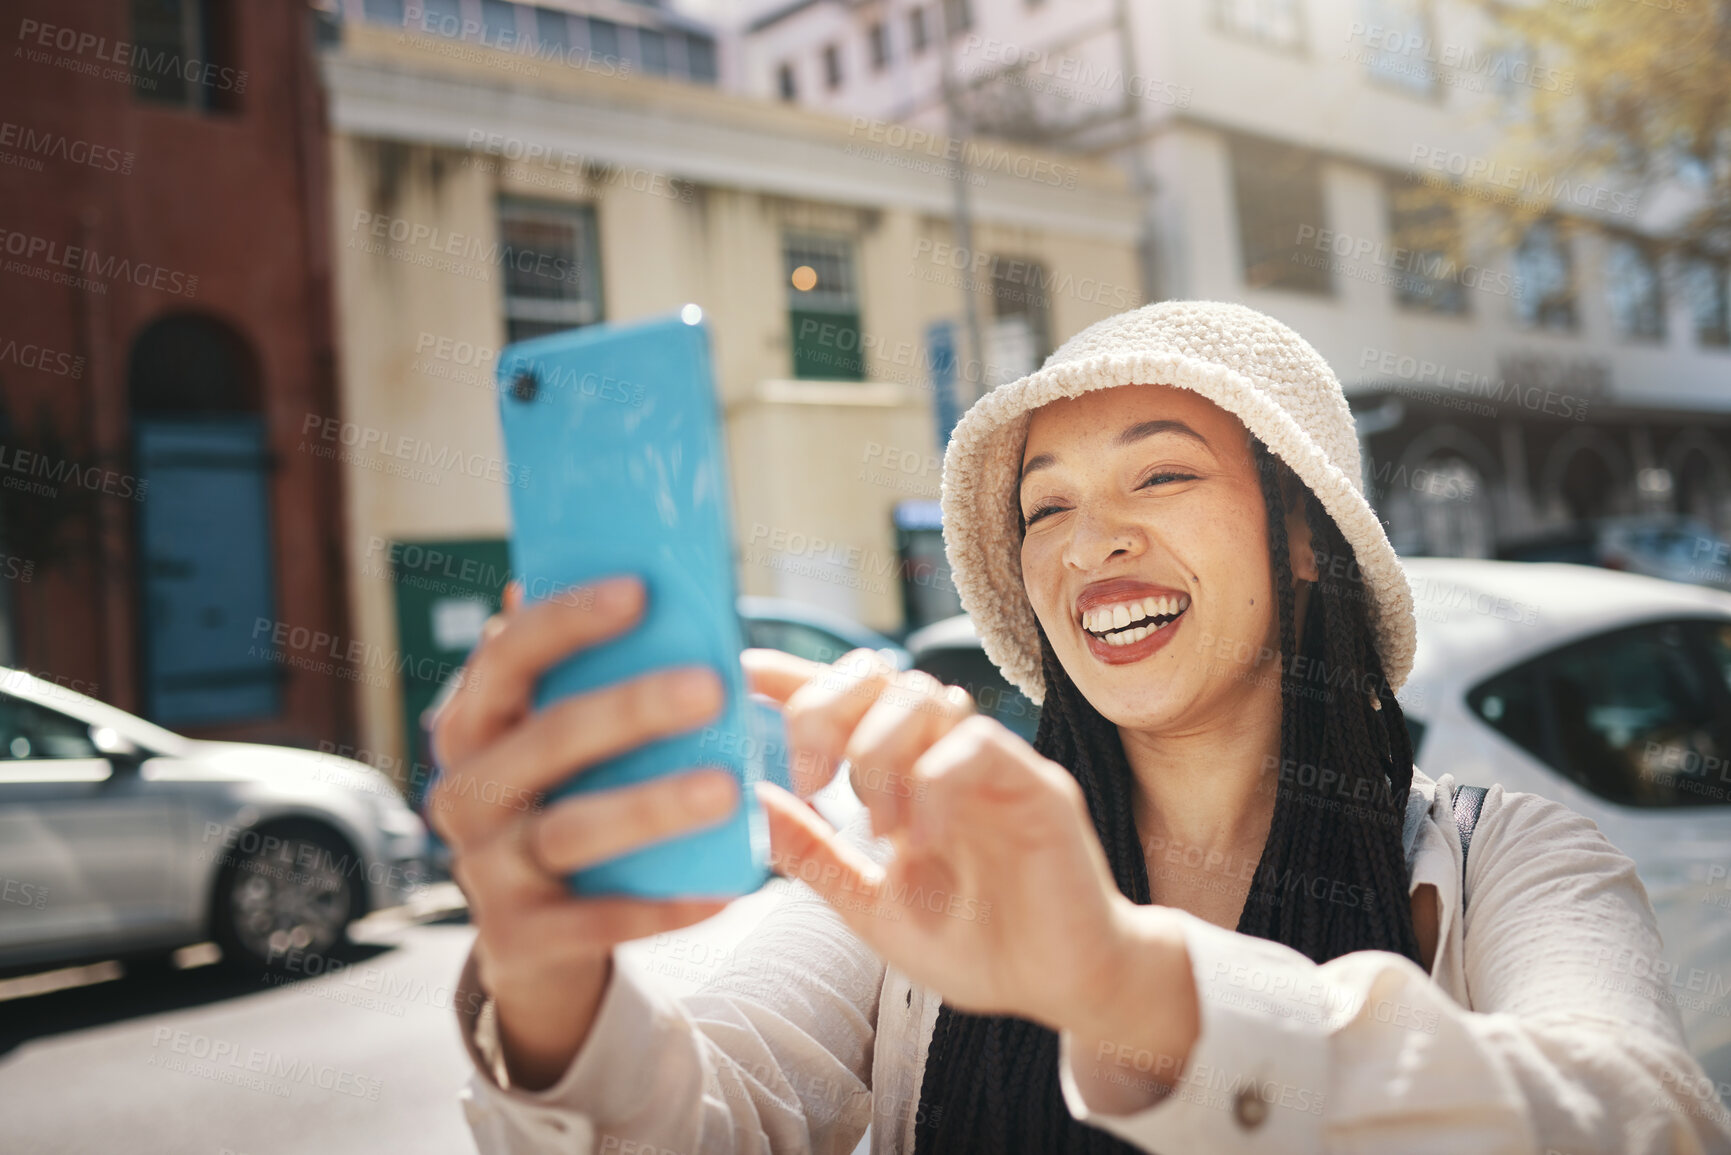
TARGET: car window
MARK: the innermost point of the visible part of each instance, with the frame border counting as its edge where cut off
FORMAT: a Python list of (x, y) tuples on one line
[(1638, 715), (797, 638), (31, 731), (1415, 734), (1715, 640), (970, 669)]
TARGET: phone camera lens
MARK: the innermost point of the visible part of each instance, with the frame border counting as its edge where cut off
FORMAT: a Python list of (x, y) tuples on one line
[(525, 385)]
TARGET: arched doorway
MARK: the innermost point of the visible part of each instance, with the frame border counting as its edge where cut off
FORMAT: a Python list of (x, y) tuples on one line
[(1441, 503), (203, 526), (1586, 476), (1701, 479)]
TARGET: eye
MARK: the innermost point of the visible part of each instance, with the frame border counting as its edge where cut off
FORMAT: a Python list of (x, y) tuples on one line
[(1038, 512), (1162, 477)]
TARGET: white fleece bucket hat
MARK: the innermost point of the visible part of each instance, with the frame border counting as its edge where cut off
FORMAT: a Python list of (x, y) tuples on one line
[(1247, 363)]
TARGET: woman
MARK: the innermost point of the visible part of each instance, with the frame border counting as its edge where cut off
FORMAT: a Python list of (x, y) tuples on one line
[(1213, 907)]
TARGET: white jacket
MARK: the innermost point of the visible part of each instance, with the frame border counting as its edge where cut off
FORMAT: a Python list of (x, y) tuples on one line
[(1541, 1028)]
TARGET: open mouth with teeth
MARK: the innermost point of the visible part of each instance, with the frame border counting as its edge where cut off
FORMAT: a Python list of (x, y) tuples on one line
[(1125, 623)]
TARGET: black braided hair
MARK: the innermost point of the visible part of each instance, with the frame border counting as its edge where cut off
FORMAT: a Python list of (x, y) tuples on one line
[(991, 1081)]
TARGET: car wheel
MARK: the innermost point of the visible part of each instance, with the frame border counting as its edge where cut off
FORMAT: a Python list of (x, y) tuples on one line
[(290, 896)]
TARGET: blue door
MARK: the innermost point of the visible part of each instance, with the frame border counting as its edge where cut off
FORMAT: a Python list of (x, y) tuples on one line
[(205, 542)]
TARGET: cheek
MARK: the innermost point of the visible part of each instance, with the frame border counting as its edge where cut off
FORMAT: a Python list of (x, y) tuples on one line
[(1041, 577)]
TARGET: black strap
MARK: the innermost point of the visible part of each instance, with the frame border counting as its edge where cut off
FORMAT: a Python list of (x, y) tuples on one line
[(1468, 801)]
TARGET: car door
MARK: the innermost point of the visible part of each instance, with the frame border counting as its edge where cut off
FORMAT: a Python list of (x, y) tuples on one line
[(86, 844), (1635, 723)]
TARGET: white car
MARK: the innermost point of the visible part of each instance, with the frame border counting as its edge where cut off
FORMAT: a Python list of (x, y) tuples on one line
[(1611, 693), (119, 839)]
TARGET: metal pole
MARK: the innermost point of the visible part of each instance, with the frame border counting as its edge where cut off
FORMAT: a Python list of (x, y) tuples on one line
[(962, 225), (1139, 174)]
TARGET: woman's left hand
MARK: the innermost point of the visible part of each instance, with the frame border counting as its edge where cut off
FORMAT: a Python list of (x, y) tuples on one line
[(999, 895)]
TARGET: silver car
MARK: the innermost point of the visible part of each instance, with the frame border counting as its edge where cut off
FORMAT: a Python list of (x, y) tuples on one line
[(119, 839)]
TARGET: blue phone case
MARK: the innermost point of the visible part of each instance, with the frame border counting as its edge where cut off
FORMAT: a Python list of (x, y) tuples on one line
[(614, 442)]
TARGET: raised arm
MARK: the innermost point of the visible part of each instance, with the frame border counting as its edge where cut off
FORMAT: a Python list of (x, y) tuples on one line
[(774, 1054), (1563, 1051)]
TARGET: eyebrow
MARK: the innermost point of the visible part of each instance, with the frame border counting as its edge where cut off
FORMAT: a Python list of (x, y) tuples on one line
[(1128, 436)]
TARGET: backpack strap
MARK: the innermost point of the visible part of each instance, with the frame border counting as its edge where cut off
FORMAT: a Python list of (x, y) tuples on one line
[(1468, 802)]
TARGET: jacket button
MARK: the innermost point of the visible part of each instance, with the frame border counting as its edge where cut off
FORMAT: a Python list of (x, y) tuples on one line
[(1249, 1108)]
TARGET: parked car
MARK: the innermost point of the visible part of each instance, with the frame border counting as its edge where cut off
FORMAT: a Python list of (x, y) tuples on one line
[(120, 839), (1611, 693), (950, 651), (1677, 548), (810, 632)]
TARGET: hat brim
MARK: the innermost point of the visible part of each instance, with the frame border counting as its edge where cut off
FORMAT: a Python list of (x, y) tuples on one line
[(981, 517)]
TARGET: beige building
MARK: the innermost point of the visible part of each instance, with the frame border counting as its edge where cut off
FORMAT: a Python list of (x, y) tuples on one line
[(482, 194)]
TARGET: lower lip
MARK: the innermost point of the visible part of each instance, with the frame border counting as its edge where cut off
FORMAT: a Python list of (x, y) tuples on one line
[(1135, 651)]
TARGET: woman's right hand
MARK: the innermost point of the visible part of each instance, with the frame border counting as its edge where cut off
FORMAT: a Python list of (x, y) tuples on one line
[(544, 955)]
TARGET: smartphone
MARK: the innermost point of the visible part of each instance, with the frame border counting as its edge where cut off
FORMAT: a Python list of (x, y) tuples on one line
[(615, 465)]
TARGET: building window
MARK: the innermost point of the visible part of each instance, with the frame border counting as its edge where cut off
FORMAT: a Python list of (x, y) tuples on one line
[(1276, 23), (553, 28), (1544, 290), (823, 308), (1426, 238), (1632, 290), (439, 17), (1278, 190), (383, 12), (172, 38), (832, 66), (917, 37), (551, 264), (958, 16), (652, 47), (499, 23), (603, 38), (1705, 280), (700, 59), (785, 83), (1406, 26), (1020, 336), (880, 42)]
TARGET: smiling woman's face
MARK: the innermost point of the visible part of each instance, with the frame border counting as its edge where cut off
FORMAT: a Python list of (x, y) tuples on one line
[(1146, 552)]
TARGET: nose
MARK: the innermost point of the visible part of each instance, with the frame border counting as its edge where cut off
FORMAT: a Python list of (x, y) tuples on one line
[(1099, 536)]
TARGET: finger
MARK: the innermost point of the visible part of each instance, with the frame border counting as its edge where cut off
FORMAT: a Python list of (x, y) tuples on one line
[(776, 673), (582, 831), (569, 736), (912, 711), (981, 776), (513, 596), (805, 847), (822, 714), (500, 675)]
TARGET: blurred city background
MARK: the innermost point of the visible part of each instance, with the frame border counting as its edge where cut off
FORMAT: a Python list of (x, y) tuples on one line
[(258, 259)]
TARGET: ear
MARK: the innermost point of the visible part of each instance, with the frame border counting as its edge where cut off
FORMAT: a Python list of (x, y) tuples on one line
[(1301, 550)]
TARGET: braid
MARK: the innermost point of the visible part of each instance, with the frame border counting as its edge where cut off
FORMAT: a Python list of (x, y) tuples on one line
[(991, 1081)]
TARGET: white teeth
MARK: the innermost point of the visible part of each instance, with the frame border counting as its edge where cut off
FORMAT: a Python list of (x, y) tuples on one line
[(1107, 618)]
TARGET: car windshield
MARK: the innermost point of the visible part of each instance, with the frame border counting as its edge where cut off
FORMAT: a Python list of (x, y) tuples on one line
[(88, 711)]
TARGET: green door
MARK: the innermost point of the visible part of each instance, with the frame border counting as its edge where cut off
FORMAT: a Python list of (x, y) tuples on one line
[(445, 591)]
